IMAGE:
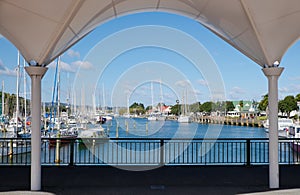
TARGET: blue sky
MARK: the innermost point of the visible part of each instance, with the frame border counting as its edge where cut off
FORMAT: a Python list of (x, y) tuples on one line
[(243, 79)]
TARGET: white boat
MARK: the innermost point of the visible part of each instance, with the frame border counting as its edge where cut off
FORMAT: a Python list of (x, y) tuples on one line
[(184, 119), (283, 126), (152, 118), (98, 133), (72, 120), (294, 132), (108, 117), (13, 126)]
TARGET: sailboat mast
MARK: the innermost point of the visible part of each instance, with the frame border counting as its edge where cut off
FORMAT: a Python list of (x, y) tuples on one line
[(103, 96), (17, 103), (152, 96), (58, 94), (2, 98), (128, 111), (185, 105), (25, 96), (161, 97)]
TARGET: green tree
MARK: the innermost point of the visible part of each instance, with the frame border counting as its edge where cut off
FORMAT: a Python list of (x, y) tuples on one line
[(137, 108), (176, 109), (281, 106), (195, 107), (229, 106), (206, 107), (298, 97), (149, 108), (241, 103), (263, 104), (289, 104)]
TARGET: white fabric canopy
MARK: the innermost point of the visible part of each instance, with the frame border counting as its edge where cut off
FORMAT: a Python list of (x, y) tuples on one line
[(43, 29)]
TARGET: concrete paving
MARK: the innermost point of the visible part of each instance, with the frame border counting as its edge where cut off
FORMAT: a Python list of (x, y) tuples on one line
[(165, 180)]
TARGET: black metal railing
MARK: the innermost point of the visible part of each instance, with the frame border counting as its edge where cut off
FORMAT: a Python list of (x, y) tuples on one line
[(148, 151)]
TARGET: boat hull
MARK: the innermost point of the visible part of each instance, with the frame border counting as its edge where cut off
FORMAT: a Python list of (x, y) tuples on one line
[(62, 140)]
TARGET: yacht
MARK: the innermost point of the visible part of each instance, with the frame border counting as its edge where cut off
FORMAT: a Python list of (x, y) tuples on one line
[(283, 126), (294, 132), (184, 119)]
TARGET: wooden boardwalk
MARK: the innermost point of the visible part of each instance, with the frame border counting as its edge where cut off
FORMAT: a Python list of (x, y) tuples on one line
[(251, 122)]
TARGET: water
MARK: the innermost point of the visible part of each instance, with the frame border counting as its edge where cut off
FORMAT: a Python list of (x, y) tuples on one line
[(143, 128), (182, 152)]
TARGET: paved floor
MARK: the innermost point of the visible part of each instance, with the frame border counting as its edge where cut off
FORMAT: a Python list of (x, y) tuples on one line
[(166, 180)]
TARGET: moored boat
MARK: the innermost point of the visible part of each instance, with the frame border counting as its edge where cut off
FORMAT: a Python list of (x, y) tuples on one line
[(184, 119), (63, 136), (93, 135), (283, 126), (294, 132)]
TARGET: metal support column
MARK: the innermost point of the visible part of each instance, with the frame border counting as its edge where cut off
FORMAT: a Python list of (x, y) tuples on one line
[(273, 73), (36, 74)]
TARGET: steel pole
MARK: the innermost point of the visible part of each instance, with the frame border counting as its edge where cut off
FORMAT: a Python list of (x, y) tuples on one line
[(273, 73), (36, 74)]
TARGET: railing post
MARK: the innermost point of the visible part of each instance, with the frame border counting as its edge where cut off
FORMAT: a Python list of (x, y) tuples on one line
[(162, 152), (248, 148), (71, 160)]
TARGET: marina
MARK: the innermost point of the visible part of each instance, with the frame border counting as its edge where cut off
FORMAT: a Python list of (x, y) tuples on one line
[(133, 142), (173, 44)]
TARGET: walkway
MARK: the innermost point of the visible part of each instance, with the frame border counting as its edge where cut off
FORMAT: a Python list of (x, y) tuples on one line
[(165, 180)]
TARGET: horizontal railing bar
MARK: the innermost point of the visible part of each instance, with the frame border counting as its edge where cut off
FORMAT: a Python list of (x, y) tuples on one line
[(149, 151)]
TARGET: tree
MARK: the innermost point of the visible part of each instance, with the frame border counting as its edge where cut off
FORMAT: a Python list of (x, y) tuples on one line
[(241, 103), (298, 97), (195, 107), (148, 108), (281, 106), (263, 104), (206, 107), (229, 106), (137, 108), (176, 109), (289, 104)]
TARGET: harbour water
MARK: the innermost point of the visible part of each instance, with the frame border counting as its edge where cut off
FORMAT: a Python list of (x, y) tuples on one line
[(139, 127), (141, 142), (142, 128)]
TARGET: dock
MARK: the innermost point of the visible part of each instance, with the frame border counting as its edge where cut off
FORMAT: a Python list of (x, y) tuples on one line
[(249, 122)]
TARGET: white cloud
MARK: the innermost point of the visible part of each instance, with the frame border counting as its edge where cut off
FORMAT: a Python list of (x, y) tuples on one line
[(238, 90), (182, 83), (83, 64), (73, 53), (202, 82), (1, 36), (236, 93), (63, 66), (198, 92), (5, 71), (291, 89), (284, 90)]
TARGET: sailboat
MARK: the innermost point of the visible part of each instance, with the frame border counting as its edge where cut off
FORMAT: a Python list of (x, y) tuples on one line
[(184, 117), (152, 116), (15, 124), (127, 115), (63, 131), (14, 146), (161, 116)]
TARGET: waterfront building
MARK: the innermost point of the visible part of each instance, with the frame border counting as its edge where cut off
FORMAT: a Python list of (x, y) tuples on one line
[(245, 109)]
